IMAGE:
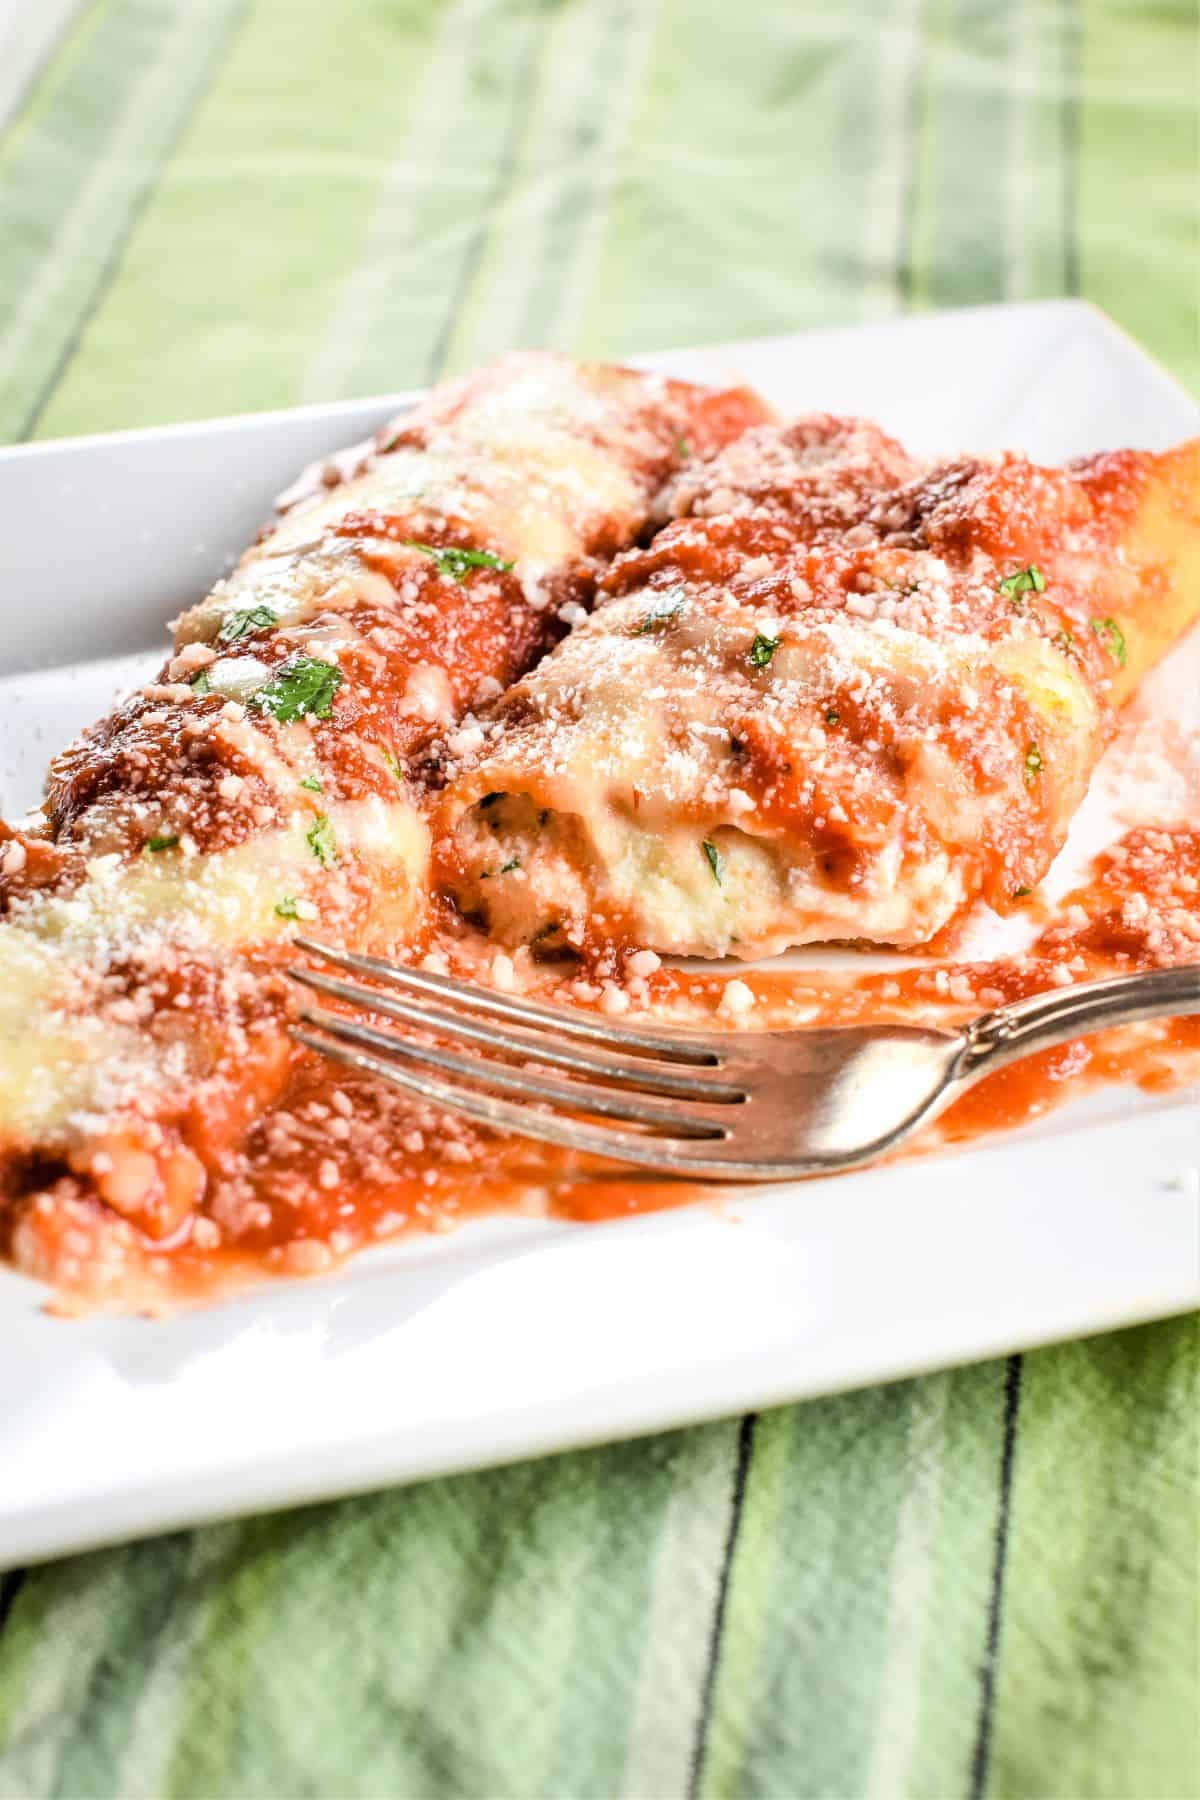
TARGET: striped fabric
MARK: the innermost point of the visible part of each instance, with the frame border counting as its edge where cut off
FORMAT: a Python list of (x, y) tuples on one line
[(979, 1583)]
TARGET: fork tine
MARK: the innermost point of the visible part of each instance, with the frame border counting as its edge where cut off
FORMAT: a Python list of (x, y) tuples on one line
[(525, 1121), (684, 1047), (527, 1044), (576, 1095)]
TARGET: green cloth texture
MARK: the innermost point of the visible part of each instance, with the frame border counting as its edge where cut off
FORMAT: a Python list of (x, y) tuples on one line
[(983, 1583)]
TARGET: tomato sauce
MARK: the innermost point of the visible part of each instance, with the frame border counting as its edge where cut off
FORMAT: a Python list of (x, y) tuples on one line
[(341, 1161)]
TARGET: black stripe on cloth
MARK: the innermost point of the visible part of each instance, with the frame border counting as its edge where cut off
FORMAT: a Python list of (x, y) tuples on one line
[(141, 1626), (519, 109), (981, 1758), (10, 1587), (120, 243), (741, 1473)]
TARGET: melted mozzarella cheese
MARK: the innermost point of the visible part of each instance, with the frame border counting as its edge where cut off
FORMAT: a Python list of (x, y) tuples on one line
[(69, 1051), (618, 796)]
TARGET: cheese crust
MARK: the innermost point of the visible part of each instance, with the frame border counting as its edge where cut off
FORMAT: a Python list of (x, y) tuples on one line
[(269, 779), (838, 698)]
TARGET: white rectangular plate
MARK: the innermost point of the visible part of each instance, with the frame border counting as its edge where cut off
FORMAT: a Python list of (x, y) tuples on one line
[(517, 1337)]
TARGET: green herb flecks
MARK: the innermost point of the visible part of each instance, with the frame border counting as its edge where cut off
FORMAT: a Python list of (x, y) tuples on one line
[(1033, 764), (664, 606), (299, 689), (321, 841), (242, 624), (312, 783), (393, 762), (1112, 638), (288, 907), (683, 448), (763, 649), (1023, 581), (716, 862), (1021, 893), (833, 716), (201, 684), (455, 562), (162, 840)]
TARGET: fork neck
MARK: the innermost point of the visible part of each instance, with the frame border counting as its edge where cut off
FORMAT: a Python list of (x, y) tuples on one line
[(1044, 1020)]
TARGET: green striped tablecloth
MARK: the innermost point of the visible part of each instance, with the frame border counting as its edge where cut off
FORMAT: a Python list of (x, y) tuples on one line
[(979, 1583)]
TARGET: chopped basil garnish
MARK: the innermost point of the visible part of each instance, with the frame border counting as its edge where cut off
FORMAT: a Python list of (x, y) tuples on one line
[(392, 761), (1112, 637), (1023, 581), (1021, 892), (201, 683), (288, 907), (664, 606), (454, 561), (299, 687), (165, 840), (682, 447), (312, 783), (833, 716), (715, 862), (510, 866), (1033, 764), (763, 649), (241, 624), (320, 840)]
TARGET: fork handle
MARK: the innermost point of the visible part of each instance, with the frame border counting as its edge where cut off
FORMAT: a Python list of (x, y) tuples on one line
[(1043, 1020)]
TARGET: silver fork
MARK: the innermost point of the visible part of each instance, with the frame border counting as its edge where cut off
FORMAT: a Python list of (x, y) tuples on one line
[(739, 1106)]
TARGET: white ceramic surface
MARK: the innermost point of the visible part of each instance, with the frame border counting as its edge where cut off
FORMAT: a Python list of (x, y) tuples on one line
[(517, 1337)]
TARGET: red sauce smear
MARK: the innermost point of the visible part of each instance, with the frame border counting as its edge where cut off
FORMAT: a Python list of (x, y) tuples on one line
[(341, 1161)]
